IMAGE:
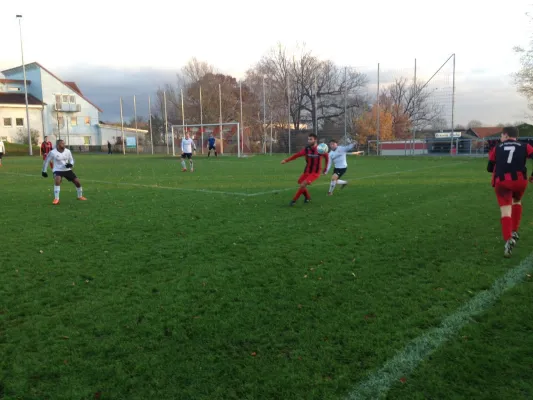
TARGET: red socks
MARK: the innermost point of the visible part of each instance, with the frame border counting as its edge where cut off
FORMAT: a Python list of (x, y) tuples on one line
[(517, 216), (507, 228), (301, 191)]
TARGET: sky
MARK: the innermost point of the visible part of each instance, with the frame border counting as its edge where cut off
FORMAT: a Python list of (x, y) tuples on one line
[(121, 48)]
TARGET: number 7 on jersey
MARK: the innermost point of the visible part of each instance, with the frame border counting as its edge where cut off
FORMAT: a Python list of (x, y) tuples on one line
[(511, 150)]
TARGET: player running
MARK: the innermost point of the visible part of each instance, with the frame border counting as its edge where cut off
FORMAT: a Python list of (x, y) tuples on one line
[(312, 168), (187, 146), (62, 169), (337, 157), (211, 145), (46, 147), (2, 151), (507, 162)]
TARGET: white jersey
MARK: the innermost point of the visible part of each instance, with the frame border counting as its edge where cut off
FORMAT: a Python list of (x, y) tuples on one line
[(187, 145), (2, 147), (60, 159), (338, 157)]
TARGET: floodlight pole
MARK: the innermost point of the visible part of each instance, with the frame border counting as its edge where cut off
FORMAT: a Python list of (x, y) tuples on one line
[(19, 17)]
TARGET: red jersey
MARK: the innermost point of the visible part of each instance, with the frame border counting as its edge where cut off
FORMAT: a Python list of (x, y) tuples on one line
[(507, 161), (313, 159), (46, 147)]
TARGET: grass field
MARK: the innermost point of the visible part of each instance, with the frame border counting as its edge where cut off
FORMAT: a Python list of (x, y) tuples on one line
[(206, 285)]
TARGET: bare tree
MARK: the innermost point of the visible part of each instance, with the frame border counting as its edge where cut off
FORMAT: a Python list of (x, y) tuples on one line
[(474, 124)]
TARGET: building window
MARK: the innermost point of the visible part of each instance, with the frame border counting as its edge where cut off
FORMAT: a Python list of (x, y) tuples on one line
[(72, 99), (3, 138), (65, 98), (74, 121), (20, 121), (60, 121), (8, 122), (86, 140), (58, 98), (87, 120)]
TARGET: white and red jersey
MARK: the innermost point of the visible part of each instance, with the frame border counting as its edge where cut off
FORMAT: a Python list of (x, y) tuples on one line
[(60, 159)]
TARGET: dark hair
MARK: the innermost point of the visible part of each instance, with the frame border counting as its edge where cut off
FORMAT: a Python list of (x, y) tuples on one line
[(312, 135), (59, 140), (511, 131), (333, 141)]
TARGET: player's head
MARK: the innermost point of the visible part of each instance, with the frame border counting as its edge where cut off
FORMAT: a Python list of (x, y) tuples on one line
[(311, 139), (187, 135), (46, 138), (60, 144), (333, 144), (509, 132)]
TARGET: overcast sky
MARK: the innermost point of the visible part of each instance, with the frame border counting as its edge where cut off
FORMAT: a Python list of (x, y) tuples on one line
[(119, 48)]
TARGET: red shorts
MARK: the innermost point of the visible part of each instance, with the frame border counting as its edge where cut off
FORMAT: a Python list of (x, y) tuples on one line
[(507, 191), (309, 178)]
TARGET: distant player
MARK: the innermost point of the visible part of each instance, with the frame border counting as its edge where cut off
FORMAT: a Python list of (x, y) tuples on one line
[(2, 151), (187, 147), (64, 162), (211, 145), (337, 157), (507, 162), (46, 147), (312, 169)]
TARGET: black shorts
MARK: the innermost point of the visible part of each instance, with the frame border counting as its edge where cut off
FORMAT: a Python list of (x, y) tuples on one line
[(68, 175), (339, 171), (186, 155), (1, 155), (212, 148)]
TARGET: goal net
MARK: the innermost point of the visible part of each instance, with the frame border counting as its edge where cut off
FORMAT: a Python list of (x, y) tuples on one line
[(228, 137)]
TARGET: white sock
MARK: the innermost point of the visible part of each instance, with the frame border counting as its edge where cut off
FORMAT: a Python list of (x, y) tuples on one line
[(332, 186), (183, 164), (190, 164), (57, 189), (80, 191), (340, 182)]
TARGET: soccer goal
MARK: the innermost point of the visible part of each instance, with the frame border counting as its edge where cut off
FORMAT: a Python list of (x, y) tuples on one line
[(228, 137)]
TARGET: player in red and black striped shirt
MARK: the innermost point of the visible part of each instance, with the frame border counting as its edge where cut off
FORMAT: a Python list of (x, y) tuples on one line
[(46, 147), (507, 162), (313, 167)]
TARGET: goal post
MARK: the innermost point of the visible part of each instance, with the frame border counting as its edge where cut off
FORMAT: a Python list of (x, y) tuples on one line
[(228, 136)]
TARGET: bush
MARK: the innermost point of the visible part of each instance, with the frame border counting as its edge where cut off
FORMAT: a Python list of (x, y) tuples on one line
[(22, 136)]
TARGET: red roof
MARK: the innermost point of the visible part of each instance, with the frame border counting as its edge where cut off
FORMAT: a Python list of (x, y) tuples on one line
[(19, 98), (5, 81), (74, 87), (487, 131), (64, 83)]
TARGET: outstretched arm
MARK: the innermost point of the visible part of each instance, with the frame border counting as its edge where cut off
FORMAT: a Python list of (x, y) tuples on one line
[(328, 164), (301, 153), (45, 164)]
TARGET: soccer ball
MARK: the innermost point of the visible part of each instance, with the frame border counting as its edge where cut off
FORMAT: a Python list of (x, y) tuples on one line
[(322, 148)]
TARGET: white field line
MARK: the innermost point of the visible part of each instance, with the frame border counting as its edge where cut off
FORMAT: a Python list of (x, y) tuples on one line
[(359, 178), (234, 193), (377, 384)]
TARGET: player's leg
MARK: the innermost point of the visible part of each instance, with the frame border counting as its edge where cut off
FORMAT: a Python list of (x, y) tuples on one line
[(516, 212), (302, 189), (79, 189), (505, 201), (57, 188), (1, 156), (341, 182), (183, 166), (191, 164), (333, 183)]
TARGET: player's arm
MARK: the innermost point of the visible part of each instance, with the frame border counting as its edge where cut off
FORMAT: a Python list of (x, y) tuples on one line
[(326, 167), (301, 153), (492, 160), (328, 164), (70, 163)]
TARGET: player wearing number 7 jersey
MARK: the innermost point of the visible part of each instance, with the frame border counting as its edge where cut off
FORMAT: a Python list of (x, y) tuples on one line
[(507, 162)]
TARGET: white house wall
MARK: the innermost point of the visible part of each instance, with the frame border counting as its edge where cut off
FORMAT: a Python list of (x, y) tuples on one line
[(13, 112), (33, 74)]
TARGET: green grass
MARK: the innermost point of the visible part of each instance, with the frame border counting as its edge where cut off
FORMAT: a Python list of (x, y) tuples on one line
[(161, 287)]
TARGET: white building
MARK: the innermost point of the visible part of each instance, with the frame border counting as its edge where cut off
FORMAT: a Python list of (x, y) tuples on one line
[(58, 109), (13, 124)]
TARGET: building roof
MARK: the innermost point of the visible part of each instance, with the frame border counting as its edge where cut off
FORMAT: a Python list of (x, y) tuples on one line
[(5, 81), (19, 98), (74, 87), (487, 131), (55, 76)]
